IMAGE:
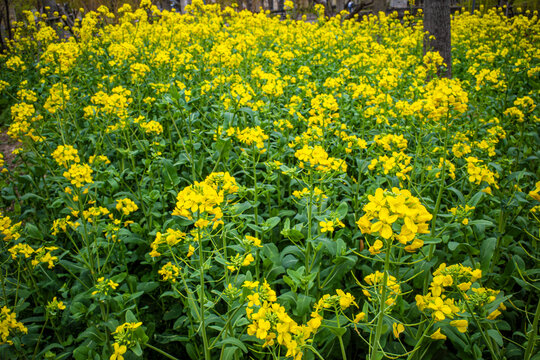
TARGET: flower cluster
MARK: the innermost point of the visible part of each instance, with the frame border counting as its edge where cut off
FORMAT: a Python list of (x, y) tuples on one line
[(249, 136), (395, 214), (444, 96), (462, 213), (398, 164), (535, 193), (203, 199), (39, 255), (23, 117), (318, 194), (64, 155), (104, 286), (169, 272), (54, 306), (165, 241), (9, 231), (114, 104), (478, 172), (9, 326), (317, 158), (391, 142), (126, 206), (124, 334), (374, 291), (59, 95), (151, 127), (79, 175), (453, 293), (271, 323)]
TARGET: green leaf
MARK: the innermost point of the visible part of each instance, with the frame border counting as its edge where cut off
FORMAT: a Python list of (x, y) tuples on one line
[(147, 286), (293, 234), (232, 341), (476, 199), (303, 305), (137, 350), (82, 353), (486, 252), (458, 194), (495, 335), (342, 210), (271, 223), (228, 352), (33, 232), (240, 208), (338, 331), (482, 223), (291, 283), (130, 317)]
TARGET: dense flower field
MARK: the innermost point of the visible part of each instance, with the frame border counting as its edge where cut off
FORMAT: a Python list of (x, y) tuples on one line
[(226, 185)]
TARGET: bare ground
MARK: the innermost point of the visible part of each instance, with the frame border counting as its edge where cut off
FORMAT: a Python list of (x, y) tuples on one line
[(7, 145)]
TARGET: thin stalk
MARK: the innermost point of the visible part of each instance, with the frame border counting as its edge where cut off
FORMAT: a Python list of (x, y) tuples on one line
[(438, 201), (169, 356), (39, 338), (309, 237), (382, 304), (255, 190), (500, 230), (201, 298), (532, 336), (342, 347), (419, 341), (486, 339)]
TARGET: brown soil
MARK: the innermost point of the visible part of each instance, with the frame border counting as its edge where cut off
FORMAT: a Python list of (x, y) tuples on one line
[(7, 145)]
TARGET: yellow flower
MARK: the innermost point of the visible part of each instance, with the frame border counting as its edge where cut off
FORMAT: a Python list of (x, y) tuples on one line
[(119, 350), (63, 155), (253, 241), (461, 325), (263, 327), (79, 175), (359, 317), (437, 335), (126, 206), (54, 305), (397, 328), (248, 260), (441, 309), (464, 286), (376, 248), (345, 300), (326, 226)]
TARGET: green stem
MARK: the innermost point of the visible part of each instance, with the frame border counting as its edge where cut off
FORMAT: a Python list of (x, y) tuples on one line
[(486, 339), (438, 202), (420, 341), (255, 190), (161, 352), (342, 347), (532, 336), (201, 299), (500, 230), (382, 303), (40, 335), (309, 237)]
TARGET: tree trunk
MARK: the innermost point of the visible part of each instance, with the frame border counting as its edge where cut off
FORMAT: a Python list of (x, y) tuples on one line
[(256, 5), (8, 21), (437, 24), (340, 6), (379, 5)]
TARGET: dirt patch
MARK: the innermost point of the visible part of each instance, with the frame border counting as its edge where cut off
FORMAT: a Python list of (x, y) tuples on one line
[(7, 145)]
